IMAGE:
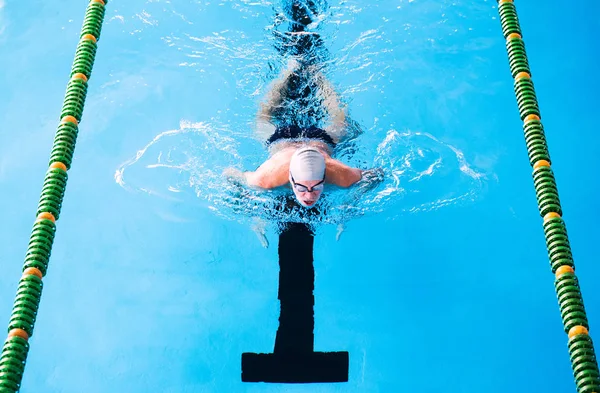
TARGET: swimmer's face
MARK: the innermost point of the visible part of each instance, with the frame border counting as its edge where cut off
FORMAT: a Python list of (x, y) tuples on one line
[(307, 192)]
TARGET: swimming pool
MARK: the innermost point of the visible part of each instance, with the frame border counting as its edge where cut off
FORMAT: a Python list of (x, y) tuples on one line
[(155, 284)]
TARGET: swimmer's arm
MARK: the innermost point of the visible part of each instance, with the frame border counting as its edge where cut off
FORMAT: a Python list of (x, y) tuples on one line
[(371, 178), (344, 176), (271, 174), (256, 179), (341, 174)]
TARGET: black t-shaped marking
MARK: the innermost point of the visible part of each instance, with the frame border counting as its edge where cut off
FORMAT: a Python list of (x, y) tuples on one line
[(293, 359)]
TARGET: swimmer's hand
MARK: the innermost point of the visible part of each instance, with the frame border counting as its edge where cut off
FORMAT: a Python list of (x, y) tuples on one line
[(372, 176), (256, 180), (370, 179), (235, 176), (237, 193)]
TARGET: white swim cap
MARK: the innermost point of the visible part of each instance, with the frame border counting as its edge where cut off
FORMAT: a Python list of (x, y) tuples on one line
[(307, 164)]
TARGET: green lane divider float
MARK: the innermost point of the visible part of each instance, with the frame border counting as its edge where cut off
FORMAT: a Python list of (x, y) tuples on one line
[(22, 320), (581, 348)]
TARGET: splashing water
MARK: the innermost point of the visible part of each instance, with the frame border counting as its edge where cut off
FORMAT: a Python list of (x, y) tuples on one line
[(185, 165), (190, 161)]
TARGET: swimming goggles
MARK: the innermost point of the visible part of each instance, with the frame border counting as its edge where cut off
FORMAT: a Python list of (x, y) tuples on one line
[(302, 188)]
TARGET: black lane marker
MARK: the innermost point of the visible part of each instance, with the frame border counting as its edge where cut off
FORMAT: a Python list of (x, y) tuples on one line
[(294, 359)]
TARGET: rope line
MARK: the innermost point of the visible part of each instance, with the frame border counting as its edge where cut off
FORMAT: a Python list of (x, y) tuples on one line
[(581, 348), (29, 292)]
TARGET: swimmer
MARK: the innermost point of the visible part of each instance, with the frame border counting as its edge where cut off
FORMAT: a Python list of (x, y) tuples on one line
[(288, 122), (300, 156)]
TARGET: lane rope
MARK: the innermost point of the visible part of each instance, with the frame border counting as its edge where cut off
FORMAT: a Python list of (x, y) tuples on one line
[(574, 317), (29, 292)]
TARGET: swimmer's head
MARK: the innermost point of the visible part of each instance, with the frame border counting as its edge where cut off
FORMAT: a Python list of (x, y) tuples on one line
[(307, 175)]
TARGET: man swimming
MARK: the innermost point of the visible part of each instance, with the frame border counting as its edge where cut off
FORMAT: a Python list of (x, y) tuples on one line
[(288, 118), (300, 156)]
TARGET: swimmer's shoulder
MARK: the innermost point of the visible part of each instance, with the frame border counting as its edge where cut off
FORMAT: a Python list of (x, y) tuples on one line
[(340, 174), (273, 173)]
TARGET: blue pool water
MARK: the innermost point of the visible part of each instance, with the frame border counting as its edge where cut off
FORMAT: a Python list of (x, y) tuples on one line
[(440, 281)]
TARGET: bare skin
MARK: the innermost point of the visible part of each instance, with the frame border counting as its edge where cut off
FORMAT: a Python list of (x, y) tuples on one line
[(274, 172)]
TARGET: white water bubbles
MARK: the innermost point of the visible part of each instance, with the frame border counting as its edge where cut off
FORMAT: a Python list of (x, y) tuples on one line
[(422, 173)]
